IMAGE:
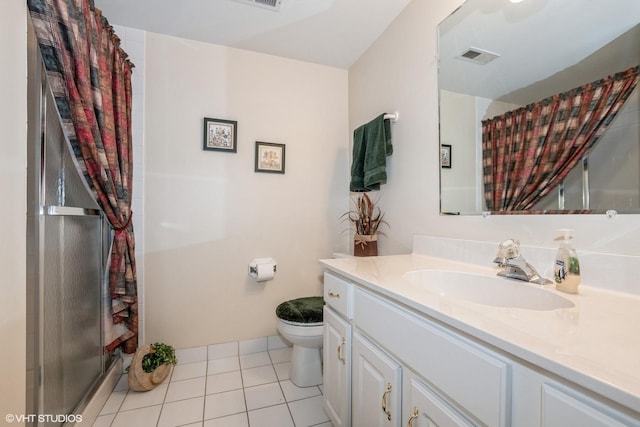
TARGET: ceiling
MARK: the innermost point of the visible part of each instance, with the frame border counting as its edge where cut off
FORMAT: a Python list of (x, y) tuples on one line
[(329, 32), (561, 44)]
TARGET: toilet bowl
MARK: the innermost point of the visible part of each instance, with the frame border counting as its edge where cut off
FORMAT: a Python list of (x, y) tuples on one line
[(300, 323)]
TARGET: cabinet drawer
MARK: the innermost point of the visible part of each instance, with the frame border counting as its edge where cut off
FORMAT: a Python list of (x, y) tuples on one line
[(475, 379), (338, 294)]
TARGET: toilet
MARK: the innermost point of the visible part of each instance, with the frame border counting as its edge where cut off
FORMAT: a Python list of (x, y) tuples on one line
[(300, 323)]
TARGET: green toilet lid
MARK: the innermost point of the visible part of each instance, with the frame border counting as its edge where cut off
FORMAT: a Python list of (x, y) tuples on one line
[(301, 310)]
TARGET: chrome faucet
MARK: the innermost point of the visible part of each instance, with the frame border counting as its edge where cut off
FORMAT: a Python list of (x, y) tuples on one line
[(515, 266)]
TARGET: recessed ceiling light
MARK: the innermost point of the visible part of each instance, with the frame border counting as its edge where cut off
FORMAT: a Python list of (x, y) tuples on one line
[(515, 1)]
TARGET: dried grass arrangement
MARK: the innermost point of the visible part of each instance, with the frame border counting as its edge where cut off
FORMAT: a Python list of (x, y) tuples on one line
[(367, 219)]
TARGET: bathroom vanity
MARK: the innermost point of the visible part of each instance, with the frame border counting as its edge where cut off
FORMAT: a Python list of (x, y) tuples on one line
[(401, 351)]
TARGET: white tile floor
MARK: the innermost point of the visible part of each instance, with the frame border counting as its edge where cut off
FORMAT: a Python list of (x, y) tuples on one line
[(243, 384)]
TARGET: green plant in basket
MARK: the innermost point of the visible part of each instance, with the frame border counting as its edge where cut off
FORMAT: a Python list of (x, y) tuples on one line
[(162, 353)]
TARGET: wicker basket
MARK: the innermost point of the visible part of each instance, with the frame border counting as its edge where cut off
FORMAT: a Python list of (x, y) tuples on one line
[(365, 245), (138, 379)]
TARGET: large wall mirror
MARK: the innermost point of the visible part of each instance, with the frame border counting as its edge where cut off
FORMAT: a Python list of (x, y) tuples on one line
[(540, 107)]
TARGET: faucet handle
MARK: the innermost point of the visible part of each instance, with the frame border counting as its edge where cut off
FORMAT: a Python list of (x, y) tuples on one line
[(509, 249)]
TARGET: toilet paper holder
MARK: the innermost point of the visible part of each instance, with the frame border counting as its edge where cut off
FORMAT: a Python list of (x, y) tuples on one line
[(253, 266), (253, 269)]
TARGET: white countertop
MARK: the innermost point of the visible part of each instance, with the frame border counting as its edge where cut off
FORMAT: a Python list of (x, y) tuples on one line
[(595, 344)]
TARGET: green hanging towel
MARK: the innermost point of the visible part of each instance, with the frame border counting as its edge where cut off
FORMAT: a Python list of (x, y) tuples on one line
[(371, 146)]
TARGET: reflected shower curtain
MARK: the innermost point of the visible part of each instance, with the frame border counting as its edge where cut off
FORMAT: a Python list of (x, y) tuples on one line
[(527, 152), (90, 76)]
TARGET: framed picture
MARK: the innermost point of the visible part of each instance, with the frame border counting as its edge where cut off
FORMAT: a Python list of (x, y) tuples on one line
[(269, 157), (445, 156), (220, 135)]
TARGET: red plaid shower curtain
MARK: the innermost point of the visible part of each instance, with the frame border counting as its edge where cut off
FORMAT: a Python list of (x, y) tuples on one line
[(90, 76), (527, 152)]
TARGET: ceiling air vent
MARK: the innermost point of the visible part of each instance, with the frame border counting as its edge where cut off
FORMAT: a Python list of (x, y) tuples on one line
[(478, 56), (274, 5)]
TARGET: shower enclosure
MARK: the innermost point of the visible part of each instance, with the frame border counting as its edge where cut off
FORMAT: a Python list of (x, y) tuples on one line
[(67, 249)]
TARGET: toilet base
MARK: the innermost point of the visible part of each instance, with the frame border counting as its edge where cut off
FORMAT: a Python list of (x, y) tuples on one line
[(306, 366)]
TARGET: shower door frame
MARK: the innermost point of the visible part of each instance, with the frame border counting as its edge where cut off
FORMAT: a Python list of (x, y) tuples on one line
[(37, 213)]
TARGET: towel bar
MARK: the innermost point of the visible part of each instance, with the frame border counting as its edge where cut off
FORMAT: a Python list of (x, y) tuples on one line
[(392, 116)]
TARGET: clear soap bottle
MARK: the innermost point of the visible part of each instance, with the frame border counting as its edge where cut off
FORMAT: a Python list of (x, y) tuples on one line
[(566, 267)]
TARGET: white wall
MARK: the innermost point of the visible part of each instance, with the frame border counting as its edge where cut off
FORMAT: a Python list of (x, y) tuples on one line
[(13, 188), (399, 73), (208, 214), (460, 184)]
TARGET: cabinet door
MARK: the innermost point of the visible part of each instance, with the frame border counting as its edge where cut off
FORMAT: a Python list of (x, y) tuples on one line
[(423, 407), (336, 358), (376, 387)]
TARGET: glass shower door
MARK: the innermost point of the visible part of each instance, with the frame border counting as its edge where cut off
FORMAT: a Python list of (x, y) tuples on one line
[(71, 322)]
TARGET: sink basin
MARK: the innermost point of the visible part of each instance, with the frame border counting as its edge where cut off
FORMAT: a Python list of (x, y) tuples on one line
[(486, 290)]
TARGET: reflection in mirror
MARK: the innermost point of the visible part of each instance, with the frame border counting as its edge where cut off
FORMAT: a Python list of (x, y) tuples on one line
[(498, 59)]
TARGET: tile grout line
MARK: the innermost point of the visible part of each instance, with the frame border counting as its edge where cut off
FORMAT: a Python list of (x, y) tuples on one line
[(244, 393), (279, 386), (123, 399), (163, 399), (206, 376), (282, 391)]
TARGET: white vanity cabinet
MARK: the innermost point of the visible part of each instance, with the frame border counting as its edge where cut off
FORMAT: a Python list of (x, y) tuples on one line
[(389, 365), (336, 358), (370, 343)]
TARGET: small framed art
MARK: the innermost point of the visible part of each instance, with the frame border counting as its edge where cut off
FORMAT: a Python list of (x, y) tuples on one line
[(220, 135), (445, 156), (269, 157)]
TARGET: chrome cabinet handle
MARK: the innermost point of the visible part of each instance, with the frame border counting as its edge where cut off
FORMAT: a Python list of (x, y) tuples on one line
[(384, 401), (333, 295), (340, 347), (413, 417)]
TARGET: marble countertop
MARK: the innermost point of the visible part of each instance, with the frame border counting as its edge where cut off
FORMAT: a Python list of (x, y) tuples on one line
[(595, 344)]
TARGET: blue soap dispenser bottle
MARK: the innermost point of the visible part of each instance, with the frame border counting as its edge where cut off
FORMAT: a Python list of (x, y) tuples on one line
[(566, 266)]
